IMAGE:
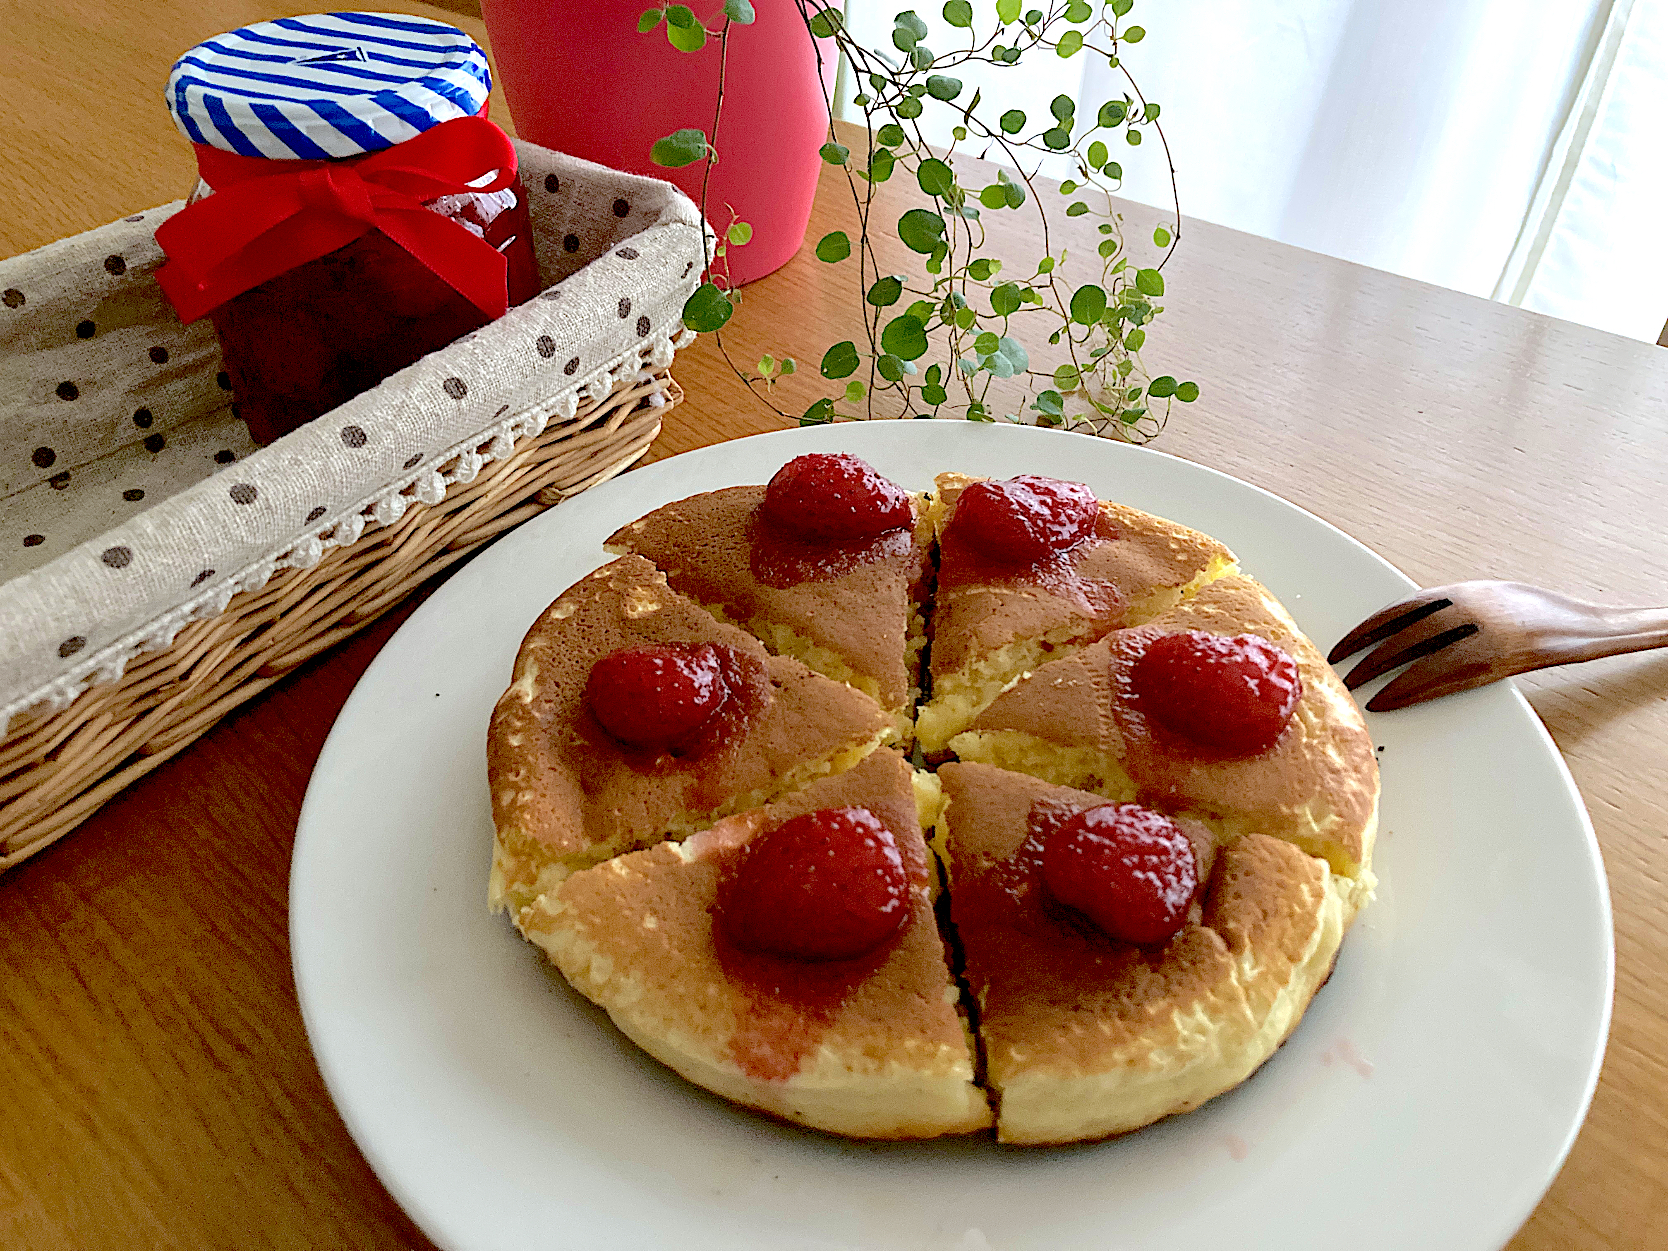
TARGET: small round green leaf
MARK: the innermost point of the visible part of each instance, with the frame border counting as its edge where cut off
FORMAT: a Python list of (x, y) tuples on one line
[(880, 168), (890, 367), (739, 11), (1076, 209), (1161, 236), (840, 361), (1112, 113), (980, 268), (921, 230), (1088, 302), (686, 38), (1149, 282), (943, 87), (1012, 122), (680, 148), (890, 135), (1187, 392), (1005, 299), (1078, 11), (1160, 388), (1058, 138), (834, 153), (1063, 107), (1015, 194), (936, 178), (987, 343), (1007, 11), (1066, 377), (819, 414), (1134, 339), (1071, 43), (886, 292), (909, 109), (934, 393), (833, 246), (825, 22), (649, 20), (855, 391), (680, 15), (1133, 138), (707, 308), (1097, 154), (959, 13), (905, 337), (1134, 35), (739, 233)]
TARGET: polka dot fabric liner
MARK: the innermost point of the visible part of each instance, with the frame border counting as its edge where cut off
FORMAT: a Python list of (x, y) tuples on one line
[(132, 500)]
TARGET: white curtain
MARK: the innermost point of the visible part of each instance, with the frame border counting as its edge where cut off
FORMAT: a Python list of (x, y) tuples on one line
[(1507, 148)]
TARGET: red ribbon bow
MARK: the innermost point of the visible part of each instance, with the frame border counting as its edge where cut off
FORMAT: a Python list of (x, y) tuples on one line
[(267, 217)]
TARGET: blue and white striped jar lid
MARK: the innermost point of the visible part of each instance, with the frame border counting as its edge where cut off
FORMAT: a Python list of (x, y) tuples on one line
[(327, 85)]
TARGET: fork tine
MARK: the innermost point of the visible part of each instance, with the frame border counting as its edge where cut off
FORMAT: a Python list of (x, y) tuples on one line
[(1386, 621), (1431, 678), (1420, 639)]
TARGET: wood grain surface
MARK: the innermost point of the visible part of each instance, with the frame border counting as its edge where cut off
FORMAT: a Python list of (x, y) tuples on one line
[(155, 1083)]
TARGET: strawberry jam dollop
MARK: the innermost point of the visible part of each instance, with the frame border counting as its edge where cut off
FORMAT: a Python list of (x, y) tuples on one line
[(1129, 869), (832, 496), (1027, 519), (828, 885), (1231, 695), (659, 695)]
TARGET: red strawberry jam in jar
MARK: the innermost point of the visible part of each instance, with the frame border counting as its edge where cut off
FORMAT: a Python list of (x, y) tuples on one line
[(355, 209)]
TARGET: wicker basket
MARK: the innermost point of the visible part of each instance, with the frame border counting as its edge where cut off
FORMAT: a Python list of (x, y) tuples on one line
[(151, 684)]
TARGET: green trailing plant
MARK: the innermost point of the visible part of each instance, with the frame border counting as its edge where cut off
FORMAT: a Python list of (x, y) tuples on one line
[(963, 309)]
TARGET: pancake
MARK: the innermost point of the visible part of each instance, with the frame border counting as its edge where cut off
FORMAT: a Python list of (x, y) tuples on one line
[(990, 624), (1085, 1036), (566, 795), (872, 1047), (849, 610), (1075, 722)]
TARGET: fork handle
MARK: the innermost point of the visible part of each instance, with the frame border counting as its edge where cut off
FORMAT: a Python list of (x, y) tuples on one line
[(1613, 632)]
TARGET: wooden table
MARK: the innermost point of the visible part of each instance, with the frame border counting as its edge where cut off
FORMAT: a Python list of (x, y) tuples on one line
[(155, 1083)]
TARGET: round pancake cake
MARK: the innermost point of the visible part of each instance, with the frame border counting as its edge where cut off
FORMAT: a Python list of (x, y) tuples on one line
[(1137, 821)]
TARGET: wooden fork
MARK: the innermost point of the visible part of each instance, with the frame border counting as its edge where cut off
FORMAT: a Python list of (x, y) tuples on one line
[(1473, 633)]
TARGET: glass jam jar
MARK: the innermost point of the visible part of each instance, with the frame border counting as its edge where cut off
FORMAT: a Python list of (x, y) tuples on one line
[(341, 91)]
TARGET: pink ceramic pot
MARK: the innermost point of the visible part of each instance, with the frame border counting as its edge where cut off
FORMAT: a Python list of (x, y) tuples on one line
[(580, 79)]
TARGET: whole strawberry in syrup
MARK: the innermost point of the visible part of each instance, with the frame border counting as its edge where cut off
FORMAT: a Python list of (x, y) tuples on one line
[(1231, 695), (832, 496), (828, 885), (1129, 869), (1027, 519), (657, 695)]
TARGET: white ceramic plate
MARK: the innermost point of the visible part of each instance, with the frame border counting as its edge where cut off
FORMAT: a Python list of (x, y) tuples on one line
[(1426, 1100)]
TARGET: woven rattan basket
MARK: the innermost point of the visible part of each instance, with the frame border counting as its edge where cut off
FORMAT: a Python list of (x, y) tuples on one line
[(99, 684)]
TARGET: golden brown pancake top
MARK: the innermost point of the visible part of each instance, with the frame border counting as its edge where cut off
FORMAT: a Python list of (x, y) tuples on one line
[(1058, 995), (767, 1013), (855, 600), (982, 607), (560, 779), (1320, 777)]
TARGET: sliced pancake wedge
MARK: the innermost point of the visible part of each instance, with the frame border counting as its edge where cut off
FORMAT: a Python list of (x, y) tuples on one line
[(873, 1046), (1076, 722), (990, 623), (851, 610), (566, 795), (1085, 1036)]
